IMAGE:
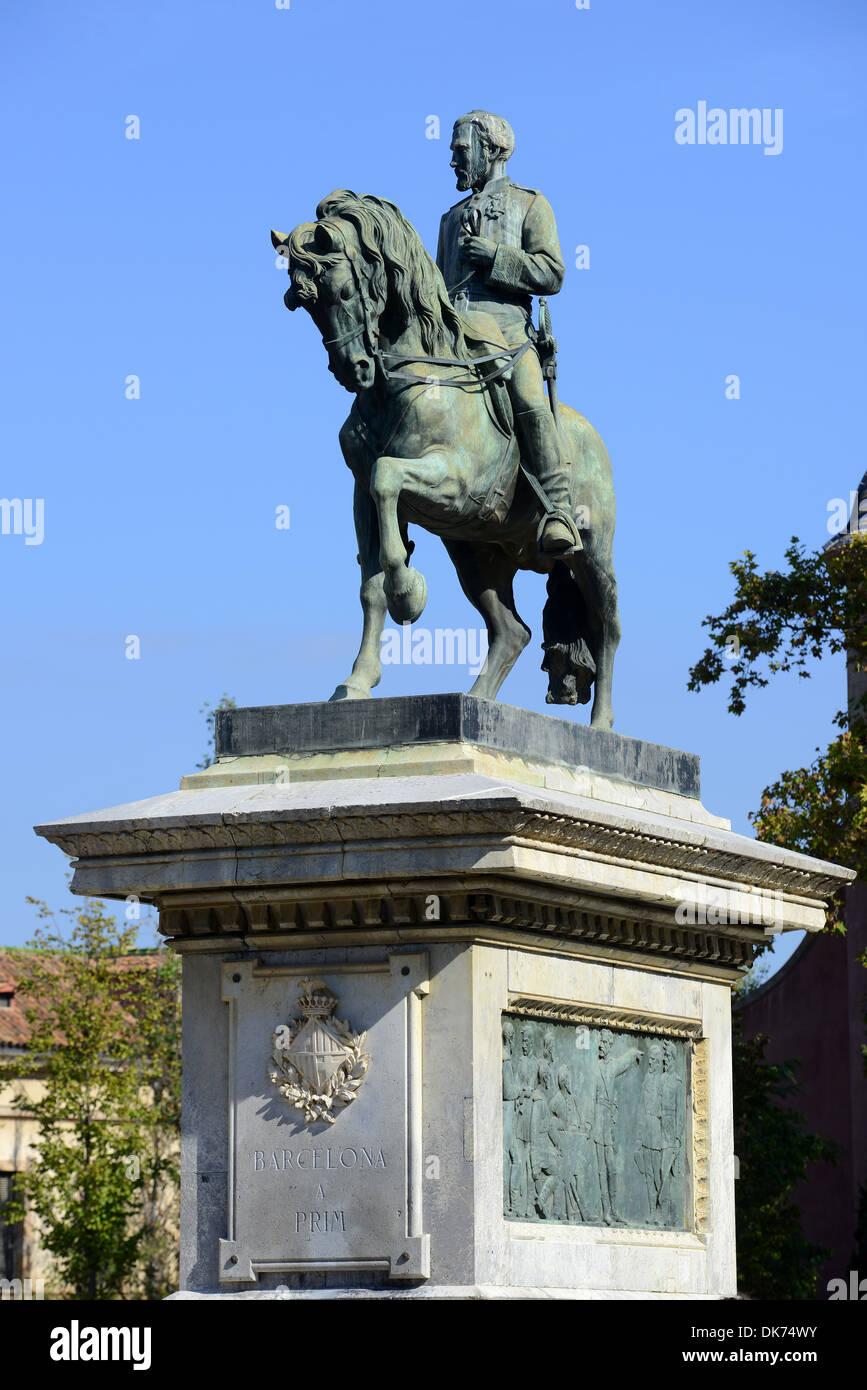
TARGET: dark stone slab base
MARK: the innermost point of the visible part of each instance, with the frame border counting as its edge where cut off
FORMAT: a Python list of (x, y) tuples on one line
[(418, 719)]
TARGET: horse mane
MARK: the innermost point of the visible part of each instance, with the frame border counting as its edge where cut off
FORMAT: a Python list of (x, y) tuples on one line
[(306, 262), (401, 274)]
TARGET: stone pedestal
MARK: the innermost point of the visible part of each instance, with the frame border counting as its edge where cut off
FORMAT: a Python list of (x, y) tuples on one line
[(456, 1001)]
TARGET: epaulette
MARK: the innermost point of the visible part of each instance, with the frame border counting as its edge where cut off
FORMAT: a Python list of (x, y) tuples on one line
[(523, 188), (458, 204)]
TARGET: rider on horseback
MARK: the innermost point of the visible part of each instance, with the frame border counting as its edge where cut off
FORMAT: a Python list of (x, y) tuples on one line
[(497, 249)]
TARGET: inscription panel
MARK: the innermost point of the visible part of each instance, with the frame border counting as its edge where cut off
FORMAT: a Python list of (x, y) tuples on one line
[(324, 1119), (595, 1125)]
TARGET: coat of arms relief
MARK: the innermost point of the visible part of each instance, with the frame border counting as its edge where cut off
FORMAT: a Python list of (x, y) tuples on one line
[(320, 1061)]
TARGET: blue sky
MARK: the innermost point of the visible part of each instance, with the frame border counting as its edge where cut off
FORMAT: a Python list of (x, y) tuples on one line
[(152, 257)]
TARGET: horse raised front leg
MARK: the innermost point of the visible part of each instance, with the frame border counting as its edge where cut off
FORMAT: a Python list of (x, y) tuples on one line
[(405, 587), (367, 668)]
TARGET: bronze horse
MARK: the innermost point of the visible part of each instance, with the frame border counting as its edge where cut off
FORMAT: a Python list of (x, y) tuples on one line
[(428, 441)]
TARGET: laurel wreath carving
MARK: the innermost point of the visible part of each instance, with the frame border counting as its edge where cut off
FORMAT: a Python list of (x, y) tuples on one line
[(340, 1091)]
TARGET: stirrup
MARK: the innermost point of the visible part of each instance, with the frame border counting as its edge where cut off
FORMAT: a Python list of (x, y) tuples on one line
[(557, 514)]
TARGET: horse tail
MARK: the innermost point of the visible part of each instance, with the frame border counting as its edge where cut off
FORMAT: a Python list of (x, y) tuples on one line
[(565, 627)]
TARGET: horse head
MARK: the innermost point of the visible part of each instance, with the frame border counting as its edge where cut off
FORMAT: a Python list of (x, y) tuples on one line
[(330, 279), (362, 272)]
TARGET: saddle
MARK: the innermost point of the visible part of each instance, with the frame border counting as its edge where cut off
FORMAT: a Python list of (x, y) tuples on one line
[(498, 499), (497, 393)]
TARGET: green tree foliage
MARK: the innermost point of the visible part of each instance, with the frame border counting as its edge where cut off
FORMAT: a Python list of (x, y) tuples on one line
[(753, 980), (775, 1260), (822, 809), (210, 713), (781, 621), (105, 1041), (814, 608)]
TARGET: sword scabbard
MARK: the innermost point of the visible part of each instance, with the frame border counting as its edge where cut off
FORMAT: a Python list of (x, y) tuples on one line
[(548, 357)]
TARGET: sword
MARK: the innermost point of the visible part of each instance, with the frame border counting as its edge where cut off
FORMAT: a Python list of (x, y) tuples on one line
[(547, 346)]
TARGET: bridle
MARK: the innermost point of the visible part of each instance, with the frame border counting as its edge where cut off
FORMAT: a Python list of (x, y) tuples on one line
[(371, 336)]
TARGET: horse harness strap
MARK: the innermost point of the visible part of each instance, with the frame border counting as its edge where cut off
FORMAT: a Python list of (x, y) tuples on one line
[(512, 355), (499, 494), (548, 510)]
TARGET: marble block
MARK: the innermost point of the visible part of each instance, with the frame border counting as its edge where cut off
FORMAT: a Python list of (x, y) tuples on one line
[(456, 1006)]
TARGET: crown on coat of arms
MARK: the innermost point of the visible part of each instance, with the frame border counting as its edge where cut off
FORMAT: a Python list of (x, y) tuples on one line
[(315, 999)]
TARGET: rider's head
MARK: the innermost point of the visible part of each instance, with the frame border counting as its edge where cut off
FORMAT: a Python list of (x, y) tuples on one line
[(481, 145)]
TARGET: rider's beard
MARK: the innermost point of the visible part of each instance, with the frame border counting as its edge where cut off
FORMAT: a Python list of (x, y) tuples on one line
[(474, 166)]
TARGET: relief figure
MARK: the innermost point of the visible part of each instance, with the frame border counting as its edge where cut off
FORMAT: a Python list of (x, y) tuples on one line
[(605, 1121), (650, 1133), (544, 1152), (672, 1132), (526, 1072), (511, 1089)]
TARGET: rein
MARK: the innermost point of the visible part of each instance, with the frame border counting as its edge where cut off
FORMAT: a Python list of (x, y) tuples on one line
[(512, 355), (473, 363)]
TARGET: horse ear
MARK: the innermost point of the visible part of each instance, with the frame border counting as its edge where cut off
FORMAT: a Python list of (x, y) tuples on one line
[(277, 239), (327, 237)]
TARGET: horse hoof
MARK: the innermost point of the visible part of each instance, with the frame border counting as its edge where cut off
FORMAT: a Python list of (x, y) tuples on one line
[(603, 720), (345, 691), (407, 605)]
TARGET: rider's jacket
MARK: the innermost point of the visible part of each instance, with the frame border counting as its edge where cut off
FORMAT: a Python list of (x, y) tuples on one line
[(527, 260)]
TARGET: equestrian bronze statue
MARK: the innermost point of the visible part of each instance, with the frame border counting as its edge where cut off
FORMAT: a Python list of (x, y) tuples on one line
[(451, 428)]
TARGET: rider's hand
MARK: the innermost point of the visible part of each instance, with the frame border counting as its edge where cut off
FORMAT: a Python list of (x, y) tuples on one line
[(477, 249)]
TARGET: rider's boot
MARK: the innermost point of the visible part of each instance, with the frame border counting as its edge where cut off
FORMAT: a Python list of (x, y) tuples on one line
[(540, 447)]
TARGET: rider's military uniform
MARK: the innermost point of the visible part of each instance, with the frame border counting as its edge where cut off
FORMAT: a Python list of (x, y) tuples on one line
[(527, 259), (527, 262)]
